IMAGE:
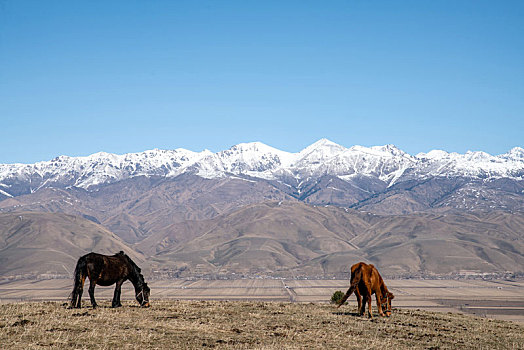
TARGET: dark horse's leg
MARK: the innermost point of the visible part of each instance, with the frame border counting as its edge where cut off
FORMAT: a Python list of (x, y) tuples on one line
[(92, 285), (116, 296), (79, 291), (79, 279)]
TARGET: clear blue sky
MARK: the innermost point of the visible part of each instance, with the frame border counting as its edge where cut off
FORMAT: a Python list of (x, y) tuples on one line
[(78, 77)]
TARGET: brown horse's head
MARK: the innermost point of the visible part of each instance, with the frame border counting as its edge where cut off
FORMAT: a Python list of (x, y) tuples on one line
[(386, 303), (142, 295)]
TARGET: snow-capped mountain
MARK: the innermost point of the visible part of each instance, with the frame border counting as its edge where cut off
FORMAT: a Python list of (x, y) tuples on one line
[(387, 164), (305, 208)]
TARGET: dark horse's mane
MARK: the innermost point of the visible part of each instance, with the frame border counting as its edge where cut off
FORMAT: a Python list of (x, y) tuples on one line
[(137, 270)]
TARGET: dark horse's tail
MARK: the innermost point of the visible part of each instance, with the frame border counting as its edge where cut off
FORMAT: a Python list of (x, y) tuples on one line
[(80, 276), (355, 279)]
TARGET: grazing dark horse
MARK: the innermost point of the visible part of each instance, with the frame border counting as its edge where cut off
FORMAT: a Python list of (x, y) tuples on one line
[(366, 281), (106, 270)]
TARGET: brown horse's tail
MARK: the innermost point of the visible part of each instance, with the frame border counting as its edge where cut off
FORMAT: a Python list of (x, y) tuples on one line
[(355, 279), (80, 275)]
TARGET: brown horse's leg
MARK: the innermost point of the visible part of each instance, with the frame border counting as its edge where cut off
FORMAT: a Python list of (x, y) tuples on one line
[(355, 279), (379, 304), (116, 296), (92, 285), (359, 300), (370, 312), (363, 305)]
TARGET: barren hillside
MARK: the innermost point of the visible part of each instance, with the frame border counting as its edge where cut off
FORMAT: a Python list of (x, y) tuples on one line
[(47, 245)]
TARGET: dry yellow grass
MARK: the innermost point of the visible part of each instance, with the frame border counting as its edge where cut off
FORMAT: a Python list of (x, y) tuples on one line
[(244, 325), (499, 299)]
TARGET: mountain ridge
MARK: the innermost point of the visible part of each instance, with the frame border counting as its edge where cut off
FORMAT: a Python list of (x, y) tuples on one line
[(257, 160)]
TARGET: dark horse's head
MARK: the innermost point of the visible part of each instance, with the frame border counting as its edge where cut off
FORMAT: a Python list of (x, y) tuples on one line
[(142, 290), (142, 295)]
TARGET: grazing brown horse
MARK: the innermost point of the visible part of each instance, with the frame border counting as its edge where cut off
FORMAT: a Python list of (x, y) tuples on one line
[(366, 281), (106, 270)]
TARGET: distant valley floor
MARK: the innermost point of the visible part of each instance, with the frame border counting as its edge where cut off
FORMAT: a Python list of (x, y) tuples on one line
[(500, 299)]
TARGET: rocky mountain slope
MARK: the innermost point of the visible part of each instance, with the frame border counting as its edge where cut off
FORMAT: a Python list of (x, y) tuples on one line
[(186, 211), (49, 244), (294, 239), (280, 239)]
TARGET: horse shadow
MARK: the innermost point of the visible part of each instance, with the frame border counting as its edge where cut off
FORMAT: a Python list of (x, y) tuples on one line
[(99, 306), (345, 313)]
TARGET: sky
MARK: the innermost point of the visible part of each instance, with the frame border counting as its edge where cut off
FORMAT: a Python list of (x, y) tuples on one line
[(79, 77)]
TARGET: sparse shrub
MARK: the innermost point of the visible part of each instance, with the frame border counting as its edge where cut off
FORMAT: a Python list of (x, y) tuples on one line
[(337, 297)]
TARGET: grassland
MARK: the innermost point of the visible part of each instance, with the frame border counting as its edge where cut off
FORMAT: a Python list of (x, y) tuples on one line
[(499, 299), (185, 324)]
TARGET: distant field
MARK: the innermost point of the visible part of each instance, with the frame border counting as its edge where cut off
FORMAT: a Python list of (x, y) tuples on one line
[(498, 299)]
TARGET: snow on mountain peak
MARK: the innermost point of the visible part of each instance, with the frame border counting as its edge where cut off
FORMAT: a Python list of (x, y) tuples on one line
[(256, 159), (434, 154), (389, 151), (253, 159), (253, 148), (324, 144), (478, 156), (321, 150), (472, 164), (516, 153)]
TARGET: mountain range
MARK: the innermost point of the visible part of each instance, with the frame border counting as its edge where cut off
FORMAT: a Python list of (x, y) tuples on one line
[(387, 165), (190, 213)]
